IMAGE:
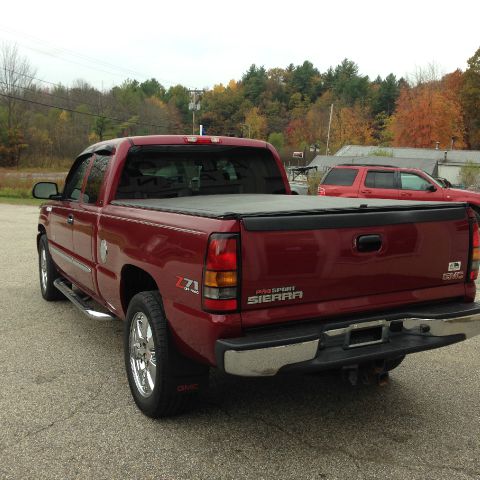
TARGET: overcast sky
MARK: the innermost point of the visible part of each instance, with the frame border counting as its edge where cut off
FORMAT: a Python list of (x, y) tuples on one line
[(199, 44)]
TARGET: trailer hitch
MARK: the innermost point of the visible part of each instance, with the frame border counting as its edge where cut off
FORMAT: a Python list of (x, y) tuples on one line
[(371, 373)]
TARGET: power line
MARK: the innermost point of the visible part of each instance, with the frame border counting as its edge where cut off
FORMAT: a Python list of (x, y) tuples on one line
[(126, 71), (98, 69), (33, 78), (80, 113), (43, 92), (70, 52)]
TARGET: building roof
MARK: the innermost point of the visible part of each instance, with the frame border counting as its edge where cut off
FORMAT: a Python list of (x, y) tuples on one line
[(323, 161), (442, 156)]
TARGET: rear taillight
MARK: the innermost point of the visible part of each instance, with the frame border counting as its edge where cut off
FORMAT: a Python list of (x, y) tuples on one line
[(220, 277), (475, 257), (321, 190)]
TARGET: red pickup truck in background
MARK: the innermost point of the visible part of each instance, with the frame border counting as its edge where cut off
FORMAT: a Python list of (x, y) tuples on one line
[(197, 244), (376, 181)]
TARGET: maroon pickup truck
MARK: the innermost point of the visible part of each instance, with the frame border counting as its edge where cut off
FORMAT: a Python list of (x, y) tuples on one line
[(197, 244)]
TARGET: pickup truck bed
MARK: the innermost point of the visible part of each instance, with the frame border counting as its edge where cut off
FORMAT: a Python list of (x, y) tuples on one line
[(244, 205)]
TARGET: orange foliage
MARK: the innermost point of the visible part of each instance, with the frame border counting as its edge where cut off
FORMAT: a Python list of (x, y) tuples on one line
[(429, 113), (351, 125), (296, 132)]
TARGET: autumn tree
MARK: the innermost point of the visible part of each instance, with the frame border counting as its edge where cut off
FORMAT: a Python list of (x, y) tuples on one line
[(16, 77), (296, 133), (427, 114), (178, 97), (470, 97), (255, 123), (221, 112), (351, 125), (317, 120)]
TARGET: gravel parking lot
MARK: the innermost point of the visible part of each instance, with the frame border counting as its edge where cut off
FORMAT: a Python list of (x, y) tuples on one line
[(66, 410)]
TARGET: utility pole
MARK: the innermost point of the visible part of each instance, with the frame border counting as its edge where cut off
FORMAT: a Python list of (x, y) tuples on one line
[(329, 125), (194, 105)]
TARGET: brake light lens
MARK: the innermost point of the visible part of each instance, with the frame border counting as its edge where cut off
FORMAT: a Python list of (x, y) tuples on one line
[(475, 259), (201, 139), (321, 190), (220, 278)]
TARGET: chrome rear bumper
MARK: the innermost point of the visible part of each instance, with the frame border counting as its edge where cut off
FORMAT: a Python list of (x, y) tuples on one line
[(316, 347)]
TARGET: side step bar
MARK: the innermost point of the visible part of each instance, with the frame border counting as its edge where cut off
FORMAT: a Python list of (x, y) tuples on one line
[(61, 284)]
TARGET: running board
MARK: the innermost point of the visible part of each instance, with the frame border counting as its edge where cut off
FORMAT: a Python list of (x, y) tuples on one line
[(79, 302)]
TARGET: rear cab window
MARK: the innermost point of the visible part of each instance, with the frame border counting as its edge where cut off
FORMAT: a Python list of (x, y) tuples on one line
[(176, 171), (340, 176)]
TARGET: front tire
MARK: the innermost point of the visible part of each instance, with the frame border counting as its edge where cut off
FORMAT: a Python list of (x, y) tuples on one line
[(47, 271), (162, 381)]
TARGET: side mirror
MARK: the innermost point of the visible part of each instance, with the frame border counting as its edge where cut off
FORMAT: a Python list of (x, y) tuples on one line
[(45, 191), (431, 188)]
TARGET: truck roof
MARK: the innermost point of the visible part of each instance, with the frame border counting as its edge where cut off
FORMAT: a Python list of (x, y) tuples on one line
[(175, 140)]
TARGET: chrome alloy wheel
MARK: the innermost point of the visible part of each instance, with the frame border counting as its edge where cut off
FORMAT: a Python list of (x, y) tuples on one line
[(43, 269), (143, 361)]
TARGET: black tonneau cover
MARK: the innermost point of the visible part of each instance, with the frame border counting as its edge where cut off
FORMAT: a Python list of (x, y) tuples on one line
[(292, 212)]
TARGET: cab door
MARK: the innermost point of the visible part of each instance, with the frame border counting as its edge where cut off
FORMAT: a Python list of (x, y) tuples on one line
[(63, 218), (85, 227), (416, 187), (379, 183)]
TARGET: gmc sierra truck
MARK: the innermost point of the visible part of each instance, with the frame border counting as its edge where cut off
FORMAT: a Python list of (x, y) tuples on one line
[(198, 245)]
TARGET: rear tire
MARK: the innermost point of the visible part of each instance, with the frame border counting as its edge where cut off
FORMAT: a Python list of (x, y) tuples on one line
[(48, 272), (162, 381)]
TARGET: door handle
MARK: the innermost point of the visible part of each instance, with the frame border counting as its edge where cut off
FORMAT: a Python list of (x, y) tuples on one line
[(369, 243), (70, 219), (365, 191)]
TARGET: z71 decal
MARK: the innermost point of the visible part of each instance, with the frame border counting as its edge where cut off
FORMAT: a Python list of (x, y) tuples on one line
[(187, 284), (279, 294)]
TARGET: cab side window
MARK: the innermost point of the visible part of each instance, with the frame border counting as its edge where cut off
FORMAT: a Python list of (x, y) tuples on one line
[(411, 181), (378, 179), (73, 185), (95, 178)]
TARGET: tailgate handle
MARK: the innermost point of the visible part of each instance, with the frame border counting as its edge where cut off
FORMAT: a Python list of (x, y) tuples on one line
[(369, 243)]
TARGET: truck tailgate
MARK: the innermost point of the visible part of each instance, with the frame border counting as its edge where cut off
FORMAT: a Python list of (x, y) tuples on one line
[(312, 258)]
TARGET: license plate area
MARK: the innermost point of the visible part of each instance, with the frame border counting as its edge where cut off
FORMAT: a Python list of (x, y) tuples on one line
[(368, 333)]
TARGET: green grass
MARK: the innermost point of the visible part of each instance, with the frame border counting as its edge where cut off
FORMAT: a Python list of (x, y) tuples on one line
[(12, 192), (16, 185), (20, 201), (381, 152)]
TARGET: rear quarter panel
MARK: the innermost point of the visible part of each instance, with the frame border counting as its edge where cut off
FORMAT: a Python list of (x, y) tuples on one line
[(171, 248)]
